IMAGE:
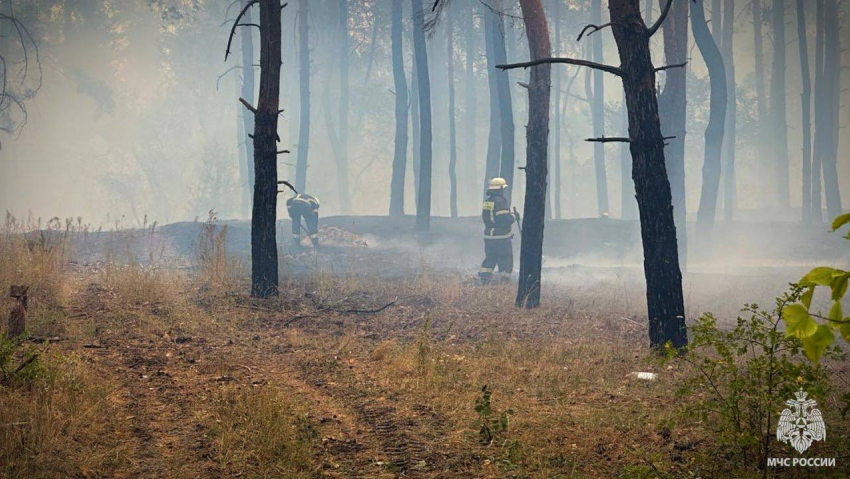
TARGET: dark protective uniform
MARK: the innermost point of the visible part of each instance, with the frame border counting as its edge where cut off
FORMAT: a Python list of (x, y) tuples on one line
[(306, 207), (498, 247)]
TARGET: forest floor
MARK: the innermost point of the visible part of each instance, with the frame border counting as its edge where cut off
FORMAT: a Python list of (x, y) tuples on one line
[(156, 372)]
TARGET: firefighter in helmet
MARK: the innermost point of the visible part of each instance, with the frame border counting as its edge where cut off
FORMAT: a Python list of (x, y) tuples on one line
[(307, 207), (498, 248)]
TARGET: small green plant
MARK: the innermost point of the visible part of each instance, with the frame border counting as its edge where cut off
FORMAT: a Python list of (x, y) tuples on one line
[(742, 376), (802, 322), (27, 369), (492, 423)]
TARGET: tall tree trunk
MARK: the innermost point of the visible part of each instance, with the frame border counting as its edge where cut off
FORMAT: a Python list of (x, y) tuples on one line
[(714, 132), (598, 108), (342, 158), (806, 107), (537, 133), (821, 121), (658, 229), (647, 11), (401, 99), (471, 174), (628, 205), (556, 150), (717, 21), (832, 75), (779, 137), (730, 197), (506, 116), (304, 95), (416, 130), (244, 167), (673, 109), (423, 206), (494, 138), (761, 94), (264, 266), (452, 124), (248, 89)]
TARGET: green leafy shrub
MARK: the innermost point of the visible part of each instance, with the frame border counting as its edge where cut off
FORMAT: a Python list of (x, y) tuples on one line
[(741, 377), (802, 322)]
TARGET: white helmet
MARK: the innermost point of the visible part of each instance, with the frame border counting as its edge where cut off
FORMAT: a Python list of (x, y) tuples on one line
[(498, 184)]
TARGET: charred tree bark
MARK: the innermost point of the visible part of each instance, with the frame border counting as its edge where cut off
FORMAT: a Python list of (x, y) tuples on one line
[(452, 122), (264, 266), (494, 138), (628, 204), (537, 133), (658, 228), (598, 108), (730, 186), (716, 123), (832, 76), (401, 112), (304, 95), (806, 108), (423, 206), (778, 110), (672, 104), (248, 93), (342, 158)]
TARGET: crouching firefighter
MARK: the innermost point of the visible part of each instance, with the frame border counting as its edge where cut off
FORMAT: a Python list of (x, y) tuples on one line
[(498, 247), (307, 207)]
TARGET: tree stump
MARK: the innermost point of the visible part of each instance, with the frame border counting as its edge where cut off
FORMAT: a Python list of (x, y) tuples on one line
[(18, 316)]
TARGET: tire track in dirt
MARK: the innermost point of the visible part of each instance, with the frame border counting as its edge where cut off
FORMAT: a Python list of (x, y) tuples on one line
[(156, 394), (406, 440)]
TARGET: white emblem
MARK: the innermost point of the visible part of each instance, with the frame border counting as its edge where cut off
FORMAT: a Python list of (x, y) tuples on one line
[(802, 425)]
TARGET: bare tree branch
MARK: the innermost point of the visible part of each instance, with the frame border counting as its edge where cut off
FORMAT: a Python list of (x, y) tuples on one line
[(668, 67), (248, 105), (655, 26), (572, 61), (235, 24), (594, 29), (609, 140)]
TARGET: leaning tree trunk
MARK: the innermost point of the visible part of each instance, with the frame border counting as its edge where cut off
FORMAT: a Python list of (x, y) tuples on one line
[(715, 130), (264, 267), (778, 110), (304, 95), (832, 75), (672, 104), (598, 108), (248, 89), (450, 68), (423, 206), (730, 196), (342, 158), (401, 98), (494, 138), (806, 107), (506, 115), (537, 134)]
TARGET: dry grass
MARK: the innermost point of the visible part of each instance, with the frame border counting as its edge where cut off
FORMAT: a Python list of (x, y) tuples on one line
[(160, 372), (62, 406)]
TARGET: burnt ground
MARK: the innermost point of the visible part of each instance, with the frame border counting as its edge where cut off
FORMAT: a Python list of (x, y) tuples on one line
[(747, 262)]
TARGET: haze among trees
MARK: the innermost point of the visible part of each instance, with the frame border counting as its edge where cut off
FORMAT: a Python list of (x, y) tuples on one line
[(666, 163)]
